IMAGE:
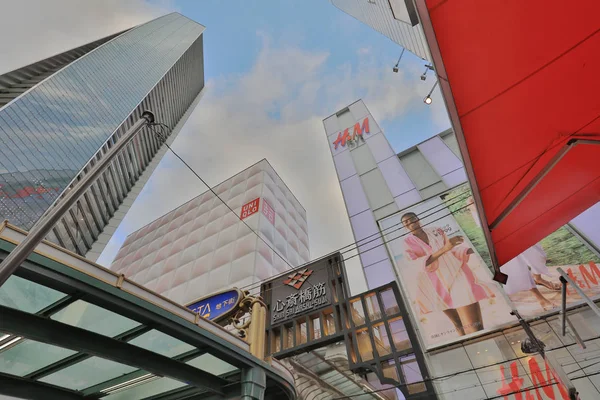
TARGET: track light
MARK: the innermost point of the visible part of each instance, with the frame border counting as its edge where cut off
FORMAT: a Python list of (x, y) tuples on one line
[(428, 100), (395, 69)]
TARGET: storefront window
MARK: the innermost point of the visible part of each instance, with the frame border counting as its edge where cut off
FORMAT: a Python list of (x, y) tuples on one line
[(412, 375), (390, 305), (399, 335), (358, 313), (315, 327), (302, 332), (373, 309), (363, 341), (329, 323), (382, 340), (497, 367)]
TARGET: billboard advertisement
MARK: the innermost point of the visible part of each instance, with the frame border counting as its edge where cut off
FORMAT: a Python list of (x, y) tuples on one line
[(444, 267), (446, 283), (533, 284)]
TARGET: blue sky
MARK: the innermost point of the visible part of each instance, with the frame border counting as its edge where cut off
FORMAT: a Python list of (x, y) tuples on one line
[(232, 41), (274, 70)]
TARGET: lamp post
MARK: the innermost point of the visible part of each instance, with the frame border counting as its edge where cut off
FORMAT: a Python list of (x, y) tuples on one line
[(54, 214)]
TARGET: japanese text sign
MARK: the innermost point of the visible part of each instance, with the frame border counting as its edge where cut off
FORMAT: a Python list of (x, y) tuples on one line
[(217, 306)]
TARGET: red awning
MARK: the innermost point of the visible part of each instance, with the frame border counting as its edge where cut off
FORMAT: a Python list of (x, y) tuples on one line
[(521, 80)]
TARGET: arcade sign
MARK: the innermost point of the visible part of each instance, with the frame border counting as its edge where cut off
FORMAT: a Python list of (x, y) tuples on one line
[(301, 292), (218, 306)]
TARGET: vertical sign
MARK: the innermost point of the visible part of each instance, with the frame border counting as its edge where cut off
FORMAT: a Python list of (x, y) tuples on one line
[(250, 208), (268, 212)]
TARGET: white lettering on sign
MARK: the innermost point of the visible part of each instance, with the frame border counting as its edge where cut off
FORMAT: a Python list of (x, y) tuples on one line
[(300, 301), (249, 208)]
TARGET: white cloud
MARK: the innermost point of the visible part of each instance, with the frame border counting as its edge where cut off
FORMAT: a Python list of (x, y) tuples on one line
[(38, 29), (234, 126)]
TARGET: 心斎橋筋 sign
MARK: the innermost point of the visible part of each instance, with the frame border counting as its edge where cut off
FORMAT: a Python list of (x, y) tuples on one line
[(300, 292)]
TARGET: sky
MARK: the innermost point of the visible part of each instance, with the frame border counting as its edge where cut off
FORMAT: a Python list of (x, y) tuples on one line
[(274, 69)]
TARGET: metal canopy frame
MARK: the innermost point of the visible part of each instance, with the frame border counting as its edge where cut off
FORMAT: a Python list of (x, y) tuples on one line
[(79, 285)]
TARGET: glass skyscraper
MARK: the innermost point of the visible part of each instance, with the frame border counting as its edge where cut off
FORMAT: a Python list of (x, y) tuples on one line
[(59, 116)]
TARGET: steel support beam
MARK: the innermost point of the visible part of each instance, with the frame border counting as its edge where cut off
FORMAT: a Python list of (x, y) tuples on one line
[(540, 175), (45, 224), (58, 334), (21, 388), (584, 296)]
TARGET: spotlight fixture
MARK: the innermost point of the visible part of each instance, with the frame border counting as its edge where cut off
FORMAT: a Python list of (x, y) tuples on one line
[(427, 68), (395, 69), (428, 100)]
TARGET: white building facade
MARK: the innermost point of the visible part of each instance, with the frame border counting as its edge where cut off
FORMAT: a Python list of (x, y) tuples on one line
[(202, 247), (379, 185), (396, 19)]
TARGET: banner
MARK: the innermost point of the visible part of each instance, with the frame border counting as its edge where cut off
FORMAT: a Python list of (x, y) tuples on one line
[(533, 284), (448, 285)]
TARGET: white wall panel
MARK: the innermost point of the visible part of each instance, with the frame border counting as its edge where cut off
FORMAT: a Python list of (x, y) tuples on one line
[(344, 165), (408, 199), (380, 147), (455, 178), (354, 196), (363, 159), (376, 189), (395, 176), (439, 156), (363, 225), (331, 125), (358, 110)]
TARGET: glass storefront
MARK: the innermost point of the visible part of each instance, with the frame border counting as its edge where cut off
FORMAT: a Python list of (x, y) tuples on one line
[(495, 367)]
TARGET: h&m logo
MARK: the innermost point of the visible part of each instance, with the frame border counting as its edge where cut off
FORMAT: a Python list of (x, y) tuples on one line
[(357, 133)]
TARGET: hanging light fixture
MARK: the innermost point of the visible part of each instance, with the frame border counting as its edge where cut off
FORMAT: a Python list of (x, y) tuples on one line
[(395, 69), (428, 100)]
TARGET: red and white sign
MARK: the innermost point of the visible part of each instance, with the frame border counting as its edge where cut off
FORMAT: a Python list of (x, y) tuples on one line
[(249, 208), (268, 211)]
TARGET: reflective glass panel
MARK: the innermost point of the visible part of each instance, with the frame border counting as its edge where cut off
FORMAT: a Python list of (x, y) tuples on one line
[(93, 318), (145, 390), (211, 364), (87, 373), (27, 296), (29, 356), (399, 335), (161, 343)]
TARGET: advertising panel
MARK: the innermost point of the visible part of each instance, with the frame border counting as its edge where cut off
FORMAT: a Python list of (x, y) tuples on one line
[(533, 284), (447, 284)]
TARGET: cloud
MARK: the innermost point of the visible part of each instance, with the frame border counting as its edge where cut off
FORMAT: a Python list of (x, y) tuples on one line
[(275, 111), (41, 28)]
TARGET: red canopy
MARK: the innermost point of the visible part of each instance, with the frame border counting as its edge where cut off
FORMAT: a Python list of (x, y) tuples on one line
[(521, 80)]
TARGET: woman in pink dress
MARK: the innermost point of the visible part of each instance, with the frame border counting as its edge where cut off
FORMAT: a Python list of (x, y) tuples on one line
[(445, 281)]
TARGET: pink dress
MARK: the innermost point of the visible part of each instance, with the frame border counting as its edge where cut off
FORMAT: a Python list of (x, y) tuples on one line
[(452, 284)]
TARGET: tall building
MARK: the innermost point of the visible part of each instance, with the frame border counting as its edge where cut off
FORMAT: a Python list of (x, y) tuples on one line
[(386, 194), (59, 116), (396, 19), (202, 247)]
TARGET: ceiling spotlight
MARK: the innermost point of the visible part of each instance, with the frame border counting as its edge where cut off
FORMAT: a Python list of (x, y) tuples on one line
[(395, 69), (427, 100)]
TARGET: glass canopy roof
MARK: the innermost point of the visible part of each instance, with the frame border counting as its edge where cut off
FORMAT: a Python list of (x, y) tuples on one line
[(64, 333)]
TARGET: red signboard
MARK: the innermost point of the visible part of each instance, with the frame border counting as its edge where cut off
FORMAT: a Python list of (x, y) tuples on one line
[(250, 208), (268, 211)]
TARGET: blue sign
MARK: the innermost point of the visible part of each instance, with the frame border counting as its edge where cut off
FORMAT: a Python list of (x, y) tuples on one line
[(217, 306)]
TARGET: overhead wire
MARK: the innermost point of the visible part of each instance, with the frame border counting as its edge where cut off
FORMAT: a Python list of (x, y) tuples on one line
[(256, 285)]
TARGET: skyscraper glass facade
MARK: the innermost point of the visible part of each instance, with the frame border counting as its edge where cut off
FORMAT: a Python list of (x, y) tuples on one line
[(58, 116)]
